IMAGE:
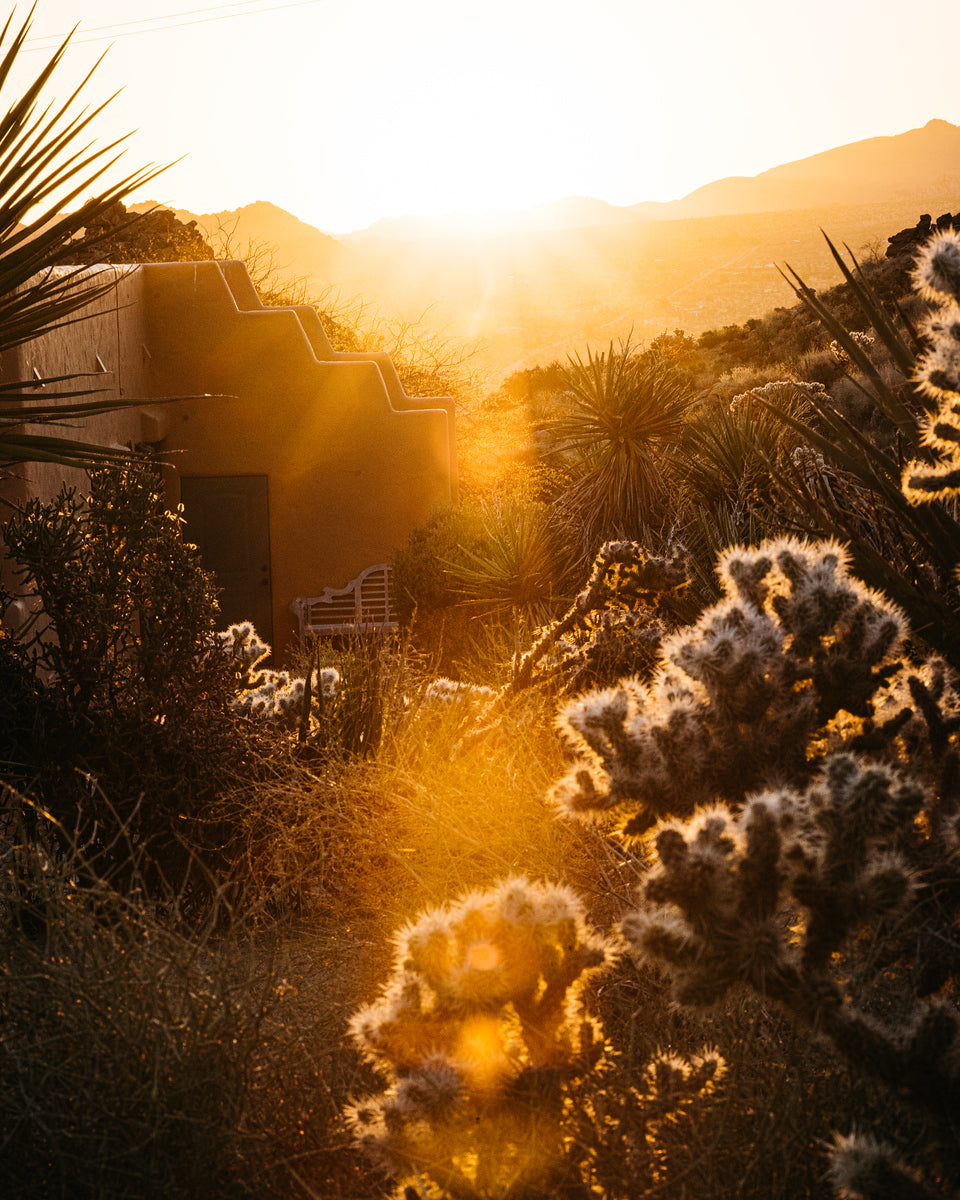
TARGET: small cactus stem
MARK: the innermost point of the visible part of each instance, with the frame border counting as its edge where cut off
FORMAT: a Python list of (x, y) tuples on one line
[(303, 731), (864, 1169), (652, 577)]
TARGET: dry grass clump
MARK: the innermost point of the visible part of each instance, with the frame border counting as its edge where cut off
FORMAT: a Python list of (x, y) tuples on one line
[(142, 1057), (437, 823)]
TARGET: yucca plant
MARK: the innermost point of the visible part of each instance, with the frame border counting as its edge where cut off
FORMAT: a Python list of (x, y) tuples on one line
[(45, 167), (523, 560), (727, 455), (910, 551), (626, 417)]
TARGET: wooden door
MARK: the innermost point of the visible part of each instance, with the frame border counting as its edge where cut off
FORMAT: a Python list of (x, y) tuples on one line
[(228, 518)]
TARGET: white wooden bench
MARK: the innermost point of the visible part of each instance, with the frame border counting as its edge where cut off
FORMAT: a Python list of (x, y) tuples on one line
[(365, 604)]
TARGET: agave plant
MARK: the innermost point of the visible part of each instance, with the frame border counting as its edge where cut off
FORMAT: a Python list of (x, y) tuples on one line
[(625, 419), (45, 167)]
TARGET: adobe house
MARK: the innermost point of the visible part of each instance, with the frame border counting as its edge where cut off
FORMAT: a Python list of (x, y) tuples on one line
[(298, 467)]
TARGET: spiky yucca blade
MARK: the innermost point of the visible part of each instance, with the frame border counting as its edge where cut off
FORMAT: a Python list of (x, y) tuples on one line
[(873, 309), (65, 412), (46, 165), (874, 314), (41, 447)]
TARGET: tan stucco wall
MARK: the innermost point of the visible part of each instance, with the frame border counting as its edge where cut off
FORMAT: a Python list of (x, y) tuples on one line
[(353, 464)]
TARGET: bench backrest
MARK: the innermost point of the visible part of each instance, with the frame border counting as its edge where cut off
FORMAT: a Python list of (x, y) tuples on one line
[(364, 604)]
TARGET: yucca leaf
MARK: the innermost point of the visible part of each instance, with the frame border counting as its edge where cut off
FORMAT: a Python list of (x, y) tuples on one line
[(47, 164), (872, 308)]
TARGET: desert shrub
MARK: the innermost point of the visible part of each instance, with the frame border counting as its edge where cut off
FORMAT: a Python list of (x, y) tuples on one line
[(143, 1057), (127, 1057), (820, 366), (804, 776), (120, 706), (374, 675), (529, 383), (421, 581)]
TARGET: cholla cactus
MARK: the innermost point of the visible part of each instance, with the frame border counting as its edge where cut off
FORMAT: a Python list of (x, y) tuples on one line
[(280, 697), (624, 586), (609, 629), (741, 694), (865, 1169), (717, 896), (789, 863), (773, 898), (240, 644), (937, 277), (451, 691), (789, 395), (275, 696), (862, 339), (480, 1029), (500, 1083)]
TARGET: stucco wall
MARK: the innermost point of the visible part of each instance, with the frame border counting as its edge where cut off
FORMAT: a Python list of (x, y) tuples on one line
[(353, 465), (350, 473)]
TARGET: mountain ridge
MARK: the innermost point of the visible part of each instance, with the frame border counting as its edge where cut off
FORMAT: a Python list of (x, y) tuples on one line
[(868, 171), (590, 271)]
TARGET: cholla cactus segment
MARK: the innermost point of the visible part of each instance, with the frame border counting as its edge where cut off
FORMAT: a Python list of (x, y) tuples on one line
[(937, 373), (862, 1168), (938, 369), (278, 697), (712, 906), (936, 273), (716, 903), (484, 1012), (780, 393), (859, 337), (741, 695), (520, 944), (450, 691), (242, 645), (672, 1083)]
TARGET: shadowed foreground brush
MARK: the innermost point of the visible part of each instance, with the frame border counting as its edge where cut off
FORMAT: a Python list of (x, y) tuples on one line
[(131, 1049), (483, 1033), (805, 776)]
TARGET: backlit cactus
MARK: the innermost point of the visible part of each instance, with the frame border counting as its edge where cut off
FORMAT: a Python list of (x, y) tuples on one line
[(937, 278), (480, 1029), (739, 696), (803, 778)]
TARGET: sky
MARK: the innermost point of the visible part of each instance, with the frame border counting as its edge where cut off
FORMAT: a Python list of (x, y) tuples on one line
[(346, 111)]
